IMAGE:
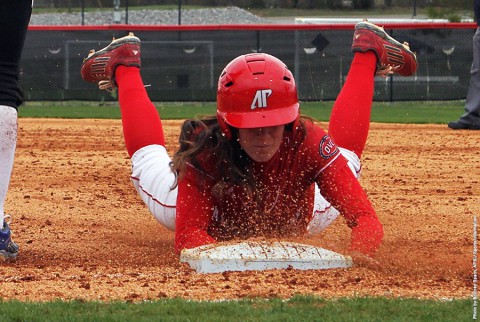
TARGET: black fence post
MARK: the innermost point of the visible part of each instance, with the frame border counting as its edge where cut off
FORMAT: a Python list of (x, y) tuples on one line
[(126, 12), (179, 12), (83, 12)]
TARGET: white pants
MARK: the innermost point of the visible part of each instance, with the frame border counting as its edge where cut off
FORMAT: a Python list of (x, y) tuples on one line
[(153, 179), (8, 143)]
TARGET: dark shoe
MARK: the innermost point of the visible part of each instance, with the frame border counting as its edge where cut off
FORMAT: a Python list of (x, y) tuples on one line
[(390, 53), (8, 248), (100, 66), (462, 125)]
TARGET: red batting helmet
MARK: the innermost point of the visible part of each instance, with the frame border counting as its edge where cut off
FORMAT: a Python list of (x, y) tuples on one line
[(256, 90)]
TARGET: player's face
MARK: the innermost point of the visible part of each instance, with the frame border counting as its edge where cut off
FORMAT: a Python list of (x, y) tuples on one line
[(261, 143)]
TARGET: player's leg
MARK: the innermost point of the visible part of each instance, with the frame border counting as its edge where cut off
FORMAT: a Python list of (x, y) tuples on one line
[(470, 120), (14, 19), (118, 65), (350, 117), (151, 172), (472, 103), (141, 122), (8, 141), (323, 214), (374, 52), (349, 125)]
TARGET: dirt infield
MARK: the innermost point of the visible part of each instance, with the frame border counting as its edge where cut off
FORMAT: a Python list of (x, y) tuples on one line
[(85, 234)]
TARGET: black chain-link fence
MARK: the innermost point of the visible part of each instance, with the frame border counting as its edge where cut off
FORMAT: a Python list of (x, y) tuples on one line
[(183, 63)]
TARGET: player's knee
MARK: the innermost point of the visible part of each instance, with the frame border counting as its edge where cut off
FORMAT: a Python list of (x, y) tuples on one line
[(8, 118), (353, 162), (166, 217)]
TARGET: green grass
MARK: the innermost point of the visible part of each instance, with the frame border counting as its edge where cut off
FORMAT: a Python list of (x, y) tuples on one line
[(298, 308), (397, 112)]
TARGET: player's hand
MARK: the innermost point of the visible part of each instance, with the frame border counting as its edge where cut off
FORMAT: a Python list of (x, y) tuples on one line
[(385, 71), (367, 235), (361, 260)]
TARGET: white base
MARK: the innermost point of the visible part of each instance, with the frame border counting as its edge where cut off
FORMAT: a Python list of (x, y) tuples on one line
[(247, 256)]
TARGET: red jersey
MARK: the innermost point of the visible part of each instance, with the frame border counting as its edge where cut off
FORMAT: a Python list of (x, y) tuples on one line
[(281, 203)]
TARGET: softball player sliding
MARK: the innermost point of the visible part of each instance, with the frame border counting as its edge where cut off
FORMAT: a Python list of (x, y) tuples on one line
[(14, 19), (256, 168)]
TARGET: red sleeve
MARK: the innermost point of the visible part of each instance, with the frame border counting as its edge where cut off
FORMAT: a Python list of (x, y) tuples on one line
[(340, 187), (194, 210)]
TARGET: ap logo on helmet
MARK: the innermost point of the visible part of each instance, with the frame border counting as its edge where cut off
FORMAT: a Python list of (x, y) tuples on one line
[(260, 99)]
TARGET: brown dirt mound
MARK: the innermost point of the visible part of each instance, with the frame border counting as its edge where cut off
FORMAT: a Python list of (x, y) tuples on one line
[(85, 234)]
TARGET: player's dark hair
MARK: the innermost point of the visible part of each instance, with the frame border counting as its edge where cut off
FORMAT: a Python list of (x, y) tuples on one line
[(203, 136)]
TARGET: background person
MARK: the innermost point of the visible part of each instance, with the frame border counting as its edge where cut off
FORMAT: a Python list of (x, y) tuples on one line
[(14, 19), (470, 120)]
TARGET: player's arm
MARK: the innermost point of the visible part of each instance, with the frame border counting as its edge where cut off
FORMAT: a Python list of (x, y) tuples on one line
[(194, 210), (340, 187)]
